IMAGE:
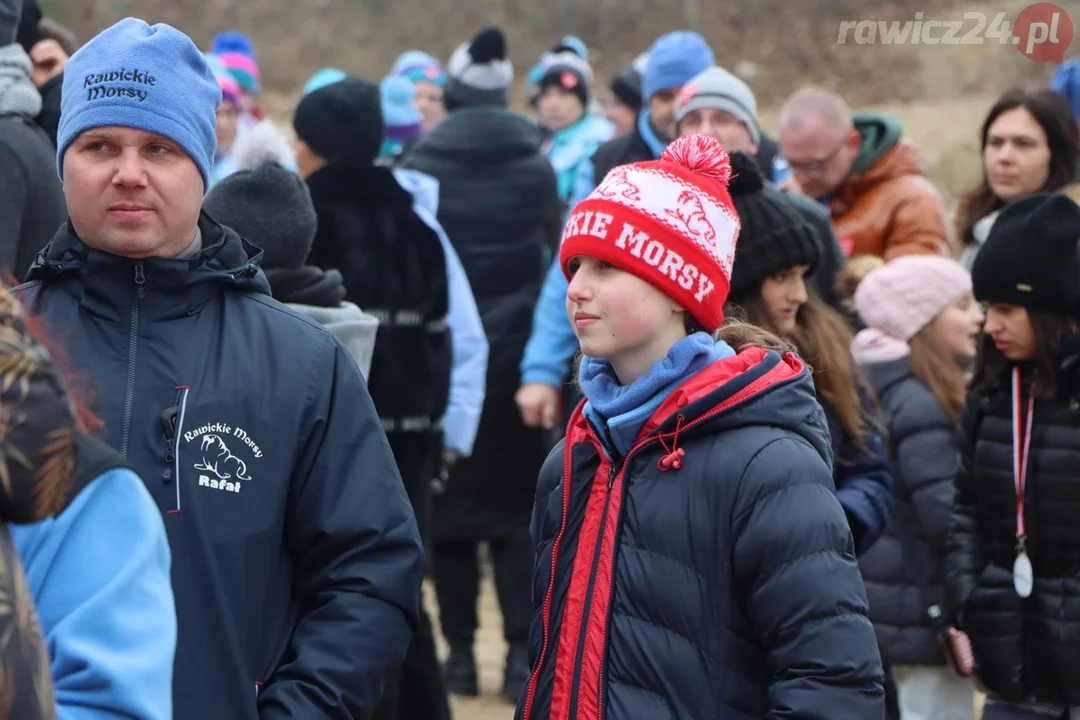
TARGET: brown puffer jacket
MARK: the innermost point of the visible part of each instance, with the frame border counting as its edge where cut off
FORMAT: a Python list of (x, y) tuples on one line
[(890, 209)]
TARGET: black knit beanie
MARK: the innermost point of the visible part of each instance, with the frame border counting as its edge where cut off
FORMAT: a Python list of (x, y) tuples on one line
[(774, 236), (626, 86), (342, 122), (271, 207), (10, 12), (1030, 257), (569, 72)]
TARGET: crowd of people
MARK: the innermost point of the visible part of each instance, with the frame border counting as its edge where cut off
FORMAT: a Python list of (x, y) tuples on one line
[(742, 426)]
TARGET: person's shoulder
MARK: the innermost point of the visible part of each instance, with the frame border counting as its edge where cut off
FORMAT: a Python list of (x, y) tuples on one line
[(291, 328)]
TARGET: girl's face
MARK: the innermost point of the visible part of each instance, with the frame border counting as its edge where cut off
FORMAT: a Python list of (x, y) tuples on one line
[(619, 316), (783, 294), (1016, 158), (956, 328), (226, 126), (1010, 328), (429, 101)]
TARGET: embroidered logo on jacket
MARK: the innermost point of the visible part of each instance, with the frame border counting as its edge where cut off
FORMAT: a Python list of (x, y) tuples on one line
[(219, 467)]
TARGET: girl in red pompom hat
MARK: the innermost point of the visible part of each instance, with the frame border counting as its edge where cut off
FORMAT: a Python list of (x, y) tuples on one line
[(692, 559)]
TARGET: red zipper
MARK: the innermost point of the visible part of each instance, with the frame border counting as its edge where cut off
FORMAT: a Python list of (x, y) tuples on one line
[(567, 453)]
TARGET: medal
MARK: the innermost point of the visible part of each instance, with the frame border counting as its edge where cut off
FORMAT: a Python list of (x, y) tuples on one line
[(1023, 573)]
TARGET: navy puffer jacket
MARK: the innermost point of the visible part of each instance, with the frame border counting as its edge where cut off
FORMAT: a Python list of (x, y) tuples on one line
[(925, 455), (726, 587)]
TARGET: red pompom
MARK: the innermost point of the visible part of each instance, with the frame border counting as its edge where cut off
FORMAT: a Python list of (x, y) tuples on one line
[(700, 154)]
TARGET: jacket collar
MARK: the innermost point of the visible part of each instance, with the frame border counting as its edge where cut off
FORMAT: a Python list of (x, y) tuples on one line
[(107, 284)]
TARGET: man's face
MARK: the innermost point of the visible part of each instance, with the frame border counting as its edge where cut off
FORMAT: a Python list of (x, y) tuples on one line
[(719, 125), (820, 156), (662, 111), (558, 108), (132, 193)]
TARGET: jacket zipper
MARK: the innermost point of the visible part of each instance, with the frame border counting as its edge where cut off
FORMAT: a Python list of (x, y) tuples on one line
[(590, 589), (179, 434), (534, 678), (133, 345)]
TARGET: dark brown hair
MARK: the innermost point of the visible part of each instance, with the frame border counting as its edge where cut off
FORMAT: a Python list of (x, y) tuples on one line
[(824, 340), (939, 371), (1055, 117), (1050, 330), (51, 30)]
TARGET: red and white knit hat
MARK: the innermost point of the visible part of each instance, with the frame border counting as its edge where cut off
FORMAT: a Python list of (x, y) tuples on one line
[(670, 221)]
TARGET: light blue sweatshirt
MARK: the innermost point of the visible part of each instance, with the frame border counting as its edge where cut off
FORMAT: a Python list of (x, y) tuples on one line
[(99, 575), (468, 377)]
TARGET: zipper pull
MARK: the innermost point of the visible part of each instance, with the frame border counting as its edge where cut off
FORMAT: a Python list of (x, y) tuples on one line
[(140, 278)]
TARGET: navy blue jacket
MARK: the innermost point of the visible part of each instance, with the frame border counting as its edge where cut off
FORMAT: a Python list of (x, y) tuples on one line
[(863, 480), (296, 562), (925, 453), (723, 588)]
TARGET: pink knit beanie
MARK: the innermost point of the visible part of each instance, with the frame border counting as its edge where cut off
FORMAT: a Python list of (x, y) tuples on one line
[(906, 294)]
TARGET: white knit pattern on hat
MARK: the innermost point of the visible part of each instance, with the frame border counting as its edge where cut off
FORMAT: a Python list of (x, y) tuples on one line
[(497, 75), (677, 204)]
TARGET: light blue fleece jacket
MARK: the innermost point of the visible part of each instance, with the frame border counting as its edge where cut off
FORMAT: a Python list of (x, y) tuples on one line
[(468, 377), (99, 575), (572, 147), (552, 343)]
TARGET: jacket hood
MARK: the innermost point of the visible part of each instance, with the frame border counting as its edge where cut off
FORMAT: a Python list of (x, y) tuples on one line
[(173, 286), (352, 326), (753, 387), (879, 134), (902, 160), (485, 134)]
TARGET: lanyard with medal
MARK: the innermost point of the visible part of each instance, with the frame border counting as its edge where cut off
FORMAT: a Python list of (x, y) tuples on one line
[(1023, 575)]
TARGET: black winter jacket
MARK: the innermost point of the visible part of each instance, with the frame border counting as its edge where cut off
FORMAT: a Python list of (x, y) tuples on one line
[(31, 196), (499, 205), (1025, 649), (924, 452), (296, 561), (724, 588)]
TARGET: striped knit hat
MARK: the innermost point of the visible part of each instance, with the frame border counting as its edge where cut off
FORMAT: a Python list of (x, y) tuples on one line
[(670, 221)]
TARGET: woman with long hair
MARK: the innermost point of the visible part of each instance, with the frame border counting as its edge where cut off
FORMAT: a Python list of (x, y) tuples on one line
[(1029, 144), (922, 327), (1013, 549), (777, 249)]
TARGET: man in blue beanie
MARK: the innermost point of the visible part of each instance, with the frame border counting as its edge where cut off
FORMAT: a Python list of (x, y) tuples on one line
[(673, 60), (295, 554)]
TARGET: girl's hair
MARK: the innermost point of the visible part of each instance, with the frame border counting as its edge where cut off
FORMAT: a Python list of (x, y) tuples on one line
[(1055, 117), (824, 340), (939, 371), (738, 333), (1050, 330)]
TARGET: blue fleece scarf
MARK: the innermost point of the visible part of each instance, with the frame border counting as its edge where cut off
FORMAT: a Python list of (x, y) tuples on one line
[(620, 411)]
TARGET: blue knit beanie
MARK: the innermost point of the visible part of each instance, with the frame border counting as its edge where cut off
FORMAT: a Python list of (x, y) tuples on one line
[(418, 66), (148, 78), (322, 78), (1066, 81), (674, 60), (233, 41)]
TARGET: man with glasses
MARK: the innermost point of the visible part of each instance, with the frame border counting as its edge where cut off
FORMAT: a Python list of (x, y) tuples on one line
[(873, 182)]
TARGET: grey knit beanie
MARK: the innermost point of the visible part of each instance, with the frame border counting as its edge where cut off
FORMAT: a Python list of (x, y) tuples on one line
[(718, 89)]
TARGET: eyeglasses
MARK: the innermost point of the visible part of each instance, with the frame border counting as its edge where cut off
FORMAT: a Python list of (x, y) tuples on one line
[(814, 168)]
